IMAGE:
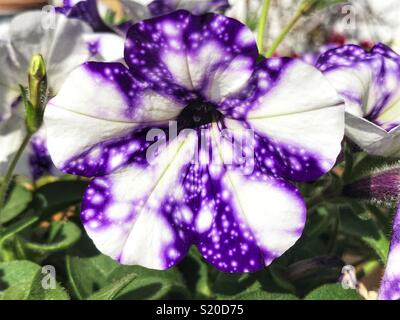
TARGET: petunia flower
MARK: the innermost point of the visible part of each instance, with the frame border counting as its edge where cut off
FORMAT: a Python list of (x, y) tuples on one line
[(65, 45), (201, 72), (390, 286), (369, 82), (93, 12)]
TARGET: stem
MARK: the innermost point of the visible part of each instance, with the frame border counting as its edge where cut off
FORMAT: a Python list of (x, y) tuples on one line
[(332, 240), (284, 33), (9, 174), (261, 25)]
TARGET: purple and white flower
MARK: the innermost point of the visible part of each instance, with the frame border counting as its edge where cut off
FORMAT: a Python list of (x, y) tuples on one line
[(369, 82), (93, 12), (65, 45), (200, 71), (390, 286)]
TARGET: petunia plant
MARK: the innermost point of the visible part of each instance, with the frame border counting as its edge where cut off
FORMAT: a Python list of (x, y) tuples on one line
[(165, 149)]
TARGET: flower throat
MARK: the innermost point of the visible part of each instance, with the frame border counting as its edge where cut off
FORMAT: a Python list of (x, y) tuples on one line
[(198, 113)]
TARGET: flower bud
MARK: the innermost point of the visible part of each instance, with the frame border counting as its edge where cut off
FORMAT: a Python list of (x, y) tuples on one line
[(36, 100), (381, 186), (37, 69)]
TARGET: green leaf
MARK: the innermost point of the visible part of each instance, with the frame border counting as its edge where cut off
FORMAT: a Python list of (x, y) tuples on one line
[(365, 230), (151, 284), (61, 236), (59, 195), (228, 285), (22, 280), (18, 200), (333, 292), (259, 294), (110, 291), (196, 274), (88, 271), (17, 227)]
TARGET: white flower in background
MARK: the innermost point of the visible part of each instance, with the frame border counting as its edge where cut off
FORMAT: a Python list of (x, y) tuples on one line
[(361, 22), (370, 21), (4, 26), (302, 38), (65, 45), (137, 10)]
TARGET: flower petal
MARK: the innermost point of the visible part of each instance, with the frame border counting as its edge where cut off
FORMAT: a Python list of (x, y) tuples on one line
[(297, 117), (106, 46), (246, 222), (390, 286), (12, 133), (150, 214), (179, 53), (134, 215), (9, 80), (88, 11), (370, 84), (110, 111), (243, 219)]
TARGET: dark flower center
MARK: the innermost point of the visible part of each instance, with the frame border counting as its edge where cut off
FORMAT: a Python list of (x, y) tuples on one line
[(198, 113)]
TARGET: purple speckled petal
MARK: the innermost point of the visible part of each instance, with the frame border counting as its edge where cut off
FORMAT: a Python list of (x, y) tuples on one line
[(390, 286), (235, 230), (370, 84), (298, 132), (183, 55), (88, 11), (137, 215), (39, 160), (109, 111), (160, 7), (151, 215), (369, 81)]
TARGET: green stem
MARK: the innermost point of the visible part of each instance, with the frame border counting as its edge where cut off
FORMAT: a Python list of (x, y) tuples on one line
[(261, 25), (10, 171), (284, 33), (334, 234)]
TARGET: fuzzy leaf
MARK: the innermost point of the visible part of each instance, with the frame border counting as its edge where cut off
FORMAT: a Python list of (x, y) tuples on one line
[(18, 200), (62, 235), (259, 294), (333, 292), (110, 291), (366, 230), (59, 195), (88, 272), (21, 280)]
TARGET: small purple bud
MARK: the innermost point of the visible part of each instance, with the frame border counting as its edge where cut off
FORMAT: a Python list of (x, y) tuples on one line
[(390, 286), (382, 187)]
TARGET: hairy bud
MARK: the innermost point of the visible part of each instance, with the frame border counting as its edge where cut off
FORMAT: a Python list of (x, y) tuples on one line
[(381, 186)]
